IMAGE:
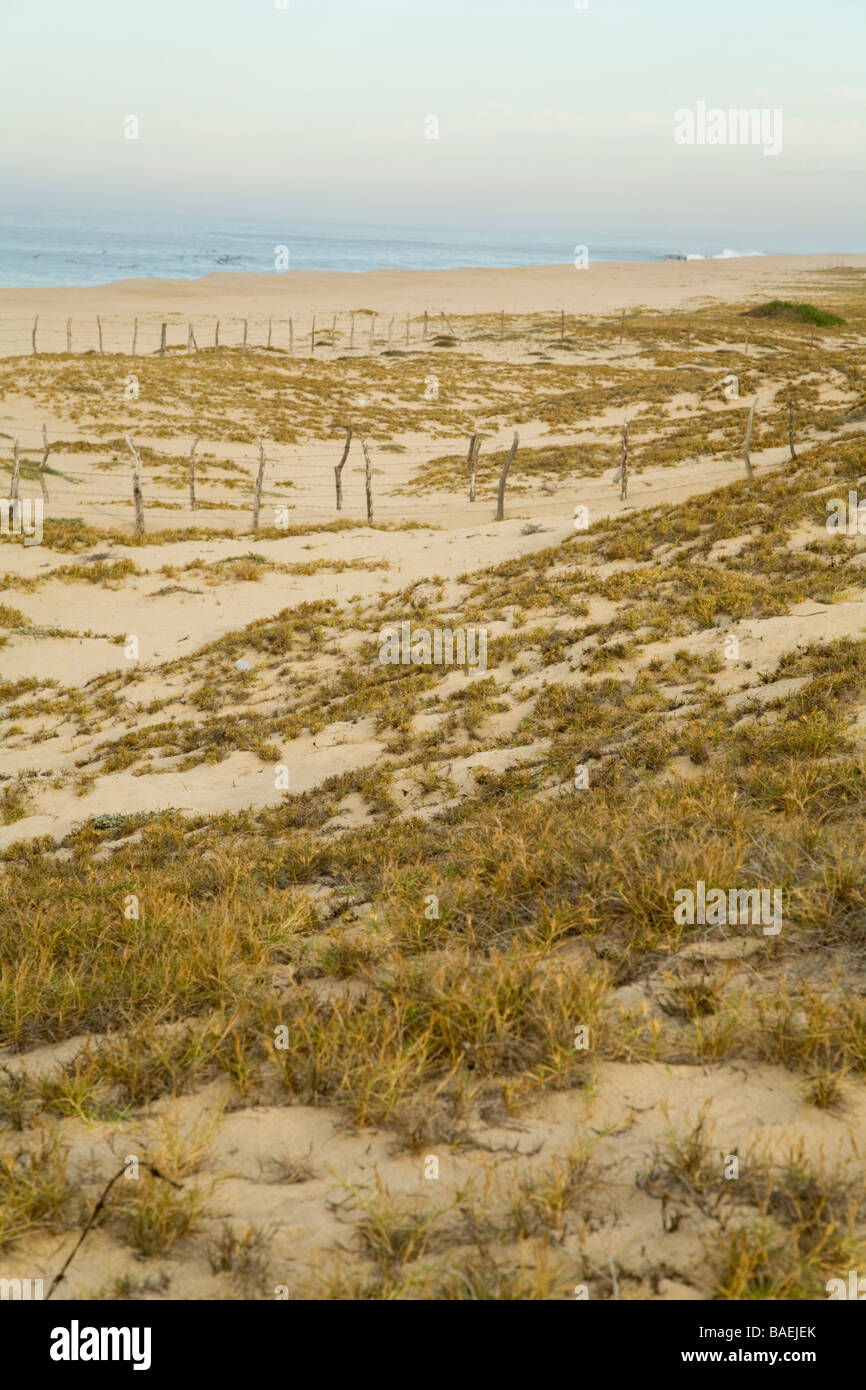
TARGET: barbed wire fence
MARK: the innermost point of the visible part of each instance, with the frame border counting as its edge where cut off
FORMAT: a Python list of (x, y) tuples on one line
[(355, 331), (351, 478), (296, 335)]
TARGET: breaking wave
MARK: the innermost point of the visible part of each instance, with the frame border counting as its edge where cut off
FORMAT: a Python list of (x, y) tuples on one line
[(726, 255)]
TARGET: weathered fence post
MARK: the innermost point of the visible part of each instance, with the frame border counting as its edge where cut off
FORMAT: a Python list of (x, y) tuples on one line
[(368, 482), (425, 325), (334, 331), (270, 326), (216, 336), (137, 499), (746, 460), (502, 325), (688, 335), (338, 469), (16, 471), (134, 335), (192, 502), (246, 329), (313, 336), (46, 450), (623, 464), (99, 330), (189, 339), (562, 327), (622, 326), (372, 330), (500, 501), (472, 464), (162, 341), (352, 332), (69, 335), (291, 336), (791, 429), (35, 326), (260, 477)]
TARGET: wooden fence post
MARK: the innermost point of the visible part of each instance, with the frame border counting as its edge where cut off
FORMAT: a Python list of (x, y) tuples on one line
[(189, 339), (500, 501), (216, 336), (35, 326), (425, 325), (246, 327), (16, 471), (192, 502), (623, 464), (134, 335), (502, 325), (368, 482), (99, 330), (562, 327), (372, 331), (69, 335), (472, 464), (746, 460), (270, 326), (291, 336), (46, 450), (791, 429), (622, 326), (334, 331), (313, 336), (137, 499), (162, 341), (260, 477), (352, 332), (338, 470), (688, 335)]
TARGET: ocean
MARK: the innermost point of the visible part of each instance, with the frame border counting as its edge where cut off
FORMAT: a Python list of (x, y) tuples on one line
[(44, 249)]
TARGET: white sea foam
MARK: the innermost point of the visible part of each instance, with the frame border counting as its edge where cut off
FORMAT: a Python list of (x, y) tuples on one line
[(726, 255)]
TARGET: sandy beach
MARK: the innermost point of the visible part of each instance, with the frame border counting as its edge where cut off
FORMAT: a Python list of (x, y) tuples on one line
[(601, 288), (207, 768)]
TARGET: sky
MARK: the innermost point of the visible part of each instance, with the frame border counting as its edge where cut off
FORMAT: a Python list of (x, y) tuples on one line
[(552, 120)]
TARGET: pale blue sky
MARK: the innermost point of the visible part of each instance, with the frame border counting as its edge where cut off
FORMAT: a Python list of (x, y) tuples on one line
[(552, 119)]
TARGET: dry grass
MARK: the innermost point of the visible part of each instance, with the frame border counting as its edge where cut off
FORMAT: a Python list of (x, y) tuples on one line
[(447, 1030)]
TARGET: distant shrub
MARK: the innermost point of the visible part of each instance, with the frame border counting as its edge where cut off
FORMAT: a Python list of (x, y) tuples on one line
[(797, 313)]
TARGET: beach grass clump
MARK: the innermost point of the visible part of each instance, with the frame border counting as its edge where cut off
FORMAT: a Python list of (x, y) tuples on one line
[(796, 313)]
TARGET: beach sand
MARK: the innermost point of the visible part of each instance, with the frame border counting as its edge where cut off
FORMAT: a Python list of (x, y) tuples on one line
[(166, 731), (600, 289)]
